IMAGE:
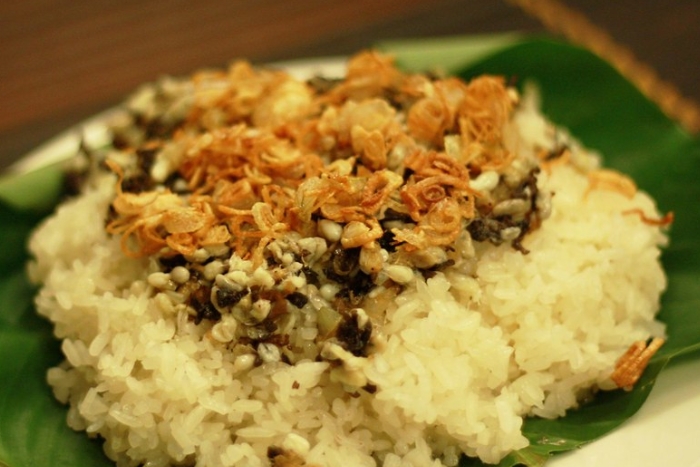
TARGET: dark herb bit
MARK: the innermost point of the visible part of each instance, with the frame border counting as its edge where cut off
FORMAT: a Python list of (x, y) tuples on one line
[(265, 332), (274, 451), (556, 152), (257, 334), (433, 270), (311, 276), (343, 263), (352, 337), (393, 215), (528, 188), (146, 156), (297, 299), (73, 182), (370, 388), (517, 244), (171, 182), (397, 99), (137, 183), (322, 85), (199, 300), (386, 241), (226, 297), (171, 262), (157, 129), (486, 229), (360, 285), (120, 142), (205, 311)]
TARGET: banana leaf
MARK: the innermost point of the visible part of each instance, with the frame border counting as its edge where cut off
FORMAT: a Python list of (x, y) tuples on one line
[(579, 91)]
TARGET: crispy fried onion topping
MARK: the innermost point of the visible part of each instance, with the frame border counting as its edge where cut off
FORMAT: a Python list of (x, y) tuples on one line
[(160, 219), (611, 180), (437, 197), (264, 155), (631, 365)]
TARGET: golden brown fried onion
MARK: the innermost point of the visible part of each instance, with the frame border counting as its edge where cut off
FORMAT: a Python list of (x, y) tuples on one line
[(265, 154)]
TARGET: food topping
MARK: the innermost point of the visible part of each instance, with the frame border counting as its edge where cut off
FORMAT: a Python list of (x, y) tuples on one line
[(631, 365), (259, 194)]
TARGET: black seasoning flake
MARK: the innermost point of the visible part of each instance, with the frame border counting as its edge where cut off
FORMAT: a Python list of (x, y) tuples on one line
[(429, 273), (73, 182), (311, 276), (343, 263), (556, 153), (172, 184), (257, 334), (205, 311), (360, 285), (137, 183), (353, 338), (146, 157), (171, 262), (199, 300), (397, 99), (322, 85), (297, 299), (265, 332), (120, 142), (274, 451), (386, 241), (519, 246), (393, 215), (433, 270), (528, 188), (158, 129), (226, 297), (370, 388), (485, 229)]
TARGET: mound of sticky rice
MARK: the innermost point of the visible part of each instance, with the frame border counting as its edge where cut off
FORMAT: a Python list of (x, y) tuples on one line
[(386, 269)]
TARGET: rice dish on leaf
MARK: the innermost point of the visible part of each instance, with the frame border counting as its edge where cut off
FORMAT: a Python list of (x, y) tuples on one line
[(383, 269)]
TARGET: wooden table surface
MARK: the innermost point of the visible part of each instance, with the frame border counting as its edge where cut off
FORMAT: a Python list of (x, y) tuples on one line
[(64, 60)]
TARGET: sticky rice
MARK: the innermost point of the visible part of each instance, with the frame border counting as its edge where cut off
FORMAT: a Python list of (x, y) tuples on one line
[(302, 326)]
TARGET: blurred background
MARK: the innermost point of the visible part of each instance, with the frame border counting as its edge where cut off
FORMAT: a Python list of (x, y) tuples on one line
[(64, 60)]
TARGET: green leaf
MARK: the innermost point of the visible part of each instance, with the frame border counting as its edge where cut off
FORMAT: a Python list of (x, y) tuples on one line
[(33, 428), (447, 54), (37, 433), (33, 191)]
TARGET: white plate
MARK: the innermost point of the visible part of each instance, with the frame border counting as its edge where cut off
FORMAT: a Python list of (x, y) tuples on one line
[(663, 433)]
